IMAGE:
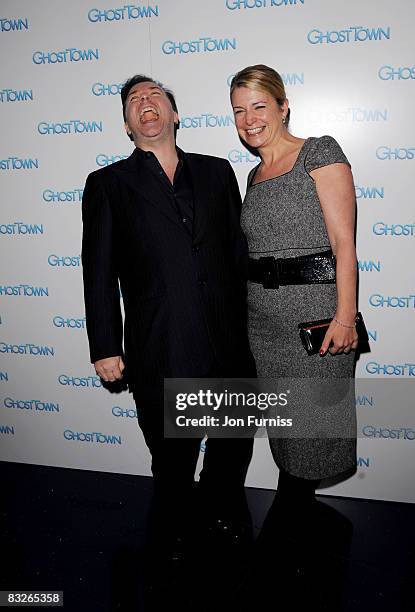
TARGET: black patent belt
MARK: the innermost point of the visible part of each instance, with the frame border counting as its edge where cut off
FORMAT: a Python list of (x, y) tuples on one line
[(272, 272)]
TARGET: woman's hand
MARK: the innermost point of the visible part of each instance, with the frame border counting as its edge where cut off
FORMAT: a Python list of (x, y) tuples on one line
[(339, 339)]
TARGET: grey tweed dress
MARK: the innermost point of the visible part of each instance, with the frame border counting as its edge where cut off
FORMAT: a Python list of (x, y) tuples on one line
[(282, 217)]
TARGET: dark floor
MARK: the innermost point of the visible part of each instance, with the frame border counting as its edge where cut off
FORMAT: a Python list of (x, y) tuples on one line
[(82, 532)]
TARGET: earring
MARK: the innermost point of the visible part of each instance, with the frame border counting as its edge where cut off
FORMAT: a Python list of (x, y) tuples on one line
[(284, 119)]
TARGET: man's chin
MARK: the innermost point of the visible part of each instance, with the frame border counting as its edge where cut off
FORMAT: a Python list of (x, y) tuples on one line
[(150, 132)]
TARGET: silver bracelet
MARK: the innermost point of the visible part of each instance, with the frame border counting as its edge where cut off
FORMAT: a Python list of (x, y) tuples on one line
[(343, 324)]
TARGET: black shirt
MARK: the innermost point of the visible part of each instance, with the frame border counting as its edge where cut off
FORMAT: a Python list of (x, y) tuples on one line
[(180, 193)]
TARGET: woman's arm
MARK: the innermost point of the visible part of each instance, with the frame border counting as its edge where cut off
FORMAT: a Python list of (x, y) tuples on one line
[(335, 189)]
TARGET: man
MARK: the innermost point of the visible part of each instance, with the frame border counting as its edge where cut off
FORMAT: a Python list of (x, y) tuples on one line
[(164, 225)]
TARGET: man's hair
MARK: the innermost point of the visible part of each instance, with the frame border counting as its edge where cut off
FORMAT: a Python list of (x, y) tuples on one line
[(142, 78)]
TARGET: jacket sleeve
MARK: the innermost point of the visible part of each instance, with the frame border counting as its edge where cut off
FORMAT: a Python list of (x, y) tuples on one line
[(99, 266)]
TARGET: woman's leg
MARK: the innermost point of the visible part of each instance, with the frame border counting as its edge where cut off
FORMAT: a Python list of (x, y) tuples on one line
[(294, 491)]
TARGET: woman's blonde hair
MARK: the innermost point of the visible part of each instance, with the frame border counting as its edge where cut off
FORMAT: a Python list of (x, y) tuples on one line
[(261, 78)]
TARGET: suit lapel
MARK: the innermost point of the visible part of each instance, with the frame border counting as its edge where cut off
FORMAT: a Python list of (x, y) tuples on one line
[(146, 185)]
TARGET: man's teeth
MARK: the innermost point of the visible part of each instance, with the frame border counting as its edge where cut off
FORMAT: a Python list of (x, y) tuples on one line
[(254, 131), (148, 109)]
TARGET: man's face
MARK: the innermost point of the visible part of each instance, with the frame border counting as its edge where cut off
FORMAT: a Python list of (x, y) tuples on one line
[(149, 116)]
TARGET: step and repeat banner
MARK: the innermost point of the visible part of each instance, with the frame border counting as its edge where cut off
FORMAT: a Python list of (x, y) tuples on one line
[(349, 72)]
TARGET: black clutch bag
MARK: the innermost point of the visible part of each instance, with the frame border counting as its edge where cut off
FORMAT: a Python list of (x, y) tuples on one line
[(312, 333)]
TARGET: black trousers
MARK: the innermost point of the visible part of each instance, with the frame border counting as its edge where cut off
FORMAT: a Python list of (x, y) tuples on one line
[(174, 461)]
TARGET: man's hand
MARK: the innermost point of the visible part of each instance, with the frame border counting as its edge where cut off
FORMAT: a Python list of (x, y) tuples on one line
[(110, 369)]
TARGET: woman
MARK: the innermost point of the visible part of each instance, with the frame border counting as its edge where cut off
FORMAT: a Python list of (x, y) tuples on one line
[(300, 201)]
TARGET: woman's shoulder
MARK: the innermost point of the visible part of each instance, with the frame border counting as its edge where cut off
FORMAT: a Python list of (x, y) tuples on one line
[(323, 151), (323, 142)]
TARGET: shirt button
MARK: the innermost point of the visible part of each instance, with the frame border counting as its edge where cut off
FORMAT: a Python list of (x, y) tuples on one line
[(148, 154), (184, 220), (196, 249)]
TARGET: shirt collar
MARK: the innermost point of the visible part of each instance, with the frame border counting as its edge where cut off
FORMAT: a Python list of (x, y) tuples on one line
[(150, 155)]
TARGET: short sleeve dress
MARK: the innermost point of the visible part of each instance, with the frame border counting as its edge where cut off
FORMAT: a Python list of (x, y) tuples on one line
[(282, 217)]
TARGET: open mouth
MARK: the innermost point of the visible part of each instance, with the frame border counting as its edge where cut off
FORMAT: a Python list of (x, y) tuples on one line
[(255, 131), (149, 113)]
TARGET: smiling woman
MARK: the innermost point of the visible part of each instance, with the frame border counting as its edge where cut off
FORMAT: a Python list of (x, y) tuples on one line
[(262, 115), (300, 202)]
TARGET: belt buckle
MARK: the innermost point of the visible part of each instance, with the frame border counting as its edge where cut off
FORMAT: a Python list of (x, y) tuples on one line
[(270, 278)]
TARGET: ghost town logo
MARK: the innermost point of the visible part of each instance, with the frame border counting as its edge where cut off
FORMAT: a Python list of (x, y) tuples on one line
[(402, 73), (109, 89), (21, 229), (397, 153), (392, 301), (64, 261), (236, 156), (117, 411), (369, 192), (201, 45), (351, 34), (288, 78), (15, 95), (207, 120), (24, 290), (380, 228), (73, 126), (13, 25), (399, 433), (34, 405), (79, 381), (368, 266), (71, 54), (391, 369), (71, 196), (27, 349), (128, 11), (70, 323), (102, 159), (234, 5), (7, 429), (348, 115), (17, 163), (94, 436), (364, 400)]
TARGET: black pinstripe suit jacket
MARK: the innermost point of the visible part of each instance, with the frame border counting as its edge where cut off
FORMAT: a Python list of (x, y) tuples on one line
[(183, 292)]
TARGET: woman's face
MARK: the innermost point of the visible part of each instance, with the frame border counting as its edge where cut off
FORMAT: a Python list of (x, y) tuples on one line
[(258, 117)]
